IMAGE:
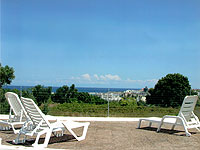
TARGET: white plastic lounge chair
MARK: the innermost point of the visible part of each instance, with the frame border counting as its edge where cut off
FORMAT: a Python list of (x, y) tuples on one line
[(17, 113), (69, 125), (39, 125), (185, 118)]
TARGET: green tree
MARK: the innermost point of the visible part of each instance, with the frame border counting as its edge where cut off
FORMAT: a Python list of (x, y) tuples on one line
[(169, 91), (28, 94), (84, 97), (70, 94), (6, 75), (4, 107), (146, 89), (41, 94), (65, 94), (131, 101), (97, 100), (72, 91), (61, 95)]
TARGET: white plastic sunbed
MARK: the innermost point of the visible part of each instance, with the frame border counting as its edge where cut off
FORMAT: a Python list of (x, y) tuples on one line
[(39, 125), (185, 118), (17, 115)]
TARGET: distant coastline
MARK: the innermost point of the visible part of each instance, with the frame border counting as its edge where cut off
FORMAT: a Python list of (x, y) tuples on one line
[(80, 89)]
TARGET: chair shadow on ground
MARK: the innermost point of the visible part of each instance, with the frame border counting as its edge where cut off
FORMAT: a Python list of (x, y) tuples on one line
[(53, 139), (167, 131), (9, 131)]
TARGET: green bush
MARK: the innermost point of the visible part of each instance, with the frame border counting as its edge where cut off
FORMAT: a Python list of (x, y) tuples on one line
[(169, 91), (115, 110), (41, 94)]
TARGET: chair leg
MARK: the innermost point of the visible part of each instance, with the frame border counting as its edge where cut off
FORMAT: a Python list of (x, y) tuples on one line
[(186, 132), (139, 123), (57, 134), (47, 137), (173, 127), (46, 141), (72, 132), (35, 144), (8, 128), (198, 128), (83, 135), (24, 140), (14, 130), (84, 132), (150, 123), (185, 127), (159, 127), (18, 141)]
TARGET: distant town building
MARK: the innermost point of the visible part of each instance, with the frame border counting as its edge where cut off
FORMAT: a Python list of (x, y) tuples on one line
[(111, 96), (135, 93), (117, 96)]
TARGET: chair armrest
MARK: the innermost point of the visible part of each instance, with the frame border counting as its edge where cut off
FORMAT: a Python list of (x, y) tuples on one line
[(168, 116), (171, 117), (196, 118)]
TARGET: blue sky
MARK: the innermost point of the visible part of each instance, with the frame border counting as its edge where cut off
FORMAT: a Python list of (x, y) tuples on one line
[(100, 43)]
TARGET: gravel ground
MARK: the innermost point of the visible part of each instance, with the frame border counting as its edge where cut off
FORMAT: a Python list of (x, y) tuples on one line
[(118, 136)]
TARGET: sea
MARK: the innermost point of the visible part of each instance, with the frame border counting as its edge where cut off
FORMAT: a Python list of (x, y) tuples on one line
[(80, 89)]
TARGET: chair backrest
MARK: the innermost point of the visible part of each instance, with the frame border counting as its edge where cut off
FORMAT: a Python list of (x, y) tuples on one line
[(34, 113), (15, 104), (188, 106)]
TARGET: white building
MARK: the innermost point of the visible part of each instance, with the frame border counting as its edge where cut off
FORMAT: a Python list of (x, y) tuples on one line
[(111, 96)]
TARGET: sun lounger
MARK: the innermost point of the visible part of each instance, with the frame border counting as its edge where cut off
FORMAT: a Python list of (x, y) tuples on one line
[(39, 125), (185, 118), (17, 115)]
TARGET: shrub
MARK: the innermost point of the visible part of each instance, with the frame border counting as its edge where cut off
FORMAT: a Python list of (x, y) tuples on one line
[(169, 91)]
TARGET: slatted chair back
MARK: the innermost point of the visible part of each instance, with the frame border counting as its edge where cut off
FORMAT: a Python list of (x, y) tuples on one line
[(34, 113), (187, 108), (15, 105)]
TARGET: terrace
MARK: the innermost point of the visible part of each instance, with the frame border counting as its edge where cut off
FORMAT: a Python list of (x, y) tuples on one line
[(113, 134)]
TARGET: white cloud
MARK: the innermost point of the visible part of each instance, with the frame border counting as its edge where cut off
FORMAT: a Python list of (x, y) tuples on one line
[(75, 78), (112, 77), (153, 81), (86, 76), (109, 79), (96, 76), (102, 77), (96, 79)]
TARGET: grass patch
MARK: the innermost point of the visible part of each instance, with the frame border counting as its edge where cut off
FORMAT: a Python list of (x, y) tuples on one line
[(92, 110)]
